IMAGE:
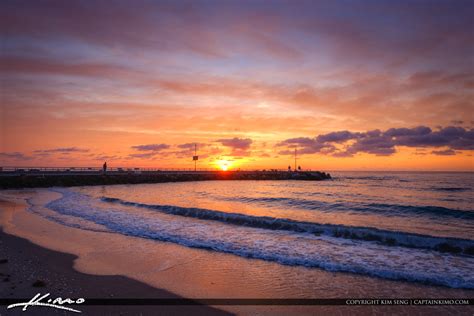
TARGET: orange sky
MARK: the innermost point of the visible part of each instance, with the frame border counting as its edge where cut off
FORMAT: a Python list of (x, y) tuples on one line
[(360, 86)]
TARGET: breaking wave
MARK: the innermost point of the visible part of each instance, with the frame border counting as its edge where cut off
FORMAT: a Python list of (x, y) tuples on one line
[(391, 238), (362, 250)]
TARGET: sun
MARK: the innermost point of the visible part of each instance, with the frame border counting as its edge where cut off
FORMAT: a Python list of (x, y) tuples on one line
[(223, 164)]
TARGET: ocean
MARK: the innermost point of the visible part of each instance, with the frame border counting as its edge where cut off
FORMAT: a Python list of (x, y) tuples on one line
[(402, 226)]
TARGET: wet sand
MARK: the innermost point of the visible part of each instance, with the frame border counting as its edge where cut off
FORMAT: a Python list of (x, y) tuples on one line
[(30, 269)]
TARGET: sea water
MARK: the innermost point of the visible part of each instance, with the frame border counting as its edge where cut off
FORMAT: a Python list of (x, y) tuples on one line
[(411, 227)]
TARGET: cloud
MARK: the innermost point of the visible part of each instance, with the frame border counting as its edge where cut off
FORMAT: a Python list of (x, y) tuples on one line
[(151, 147), (239, 146), (236, 143), (384, 143), (277, 71), (187, 146), (21, 65), (447, 152), (105, 157), (15, 155), (63, 150), (186, 150), (149, 151), (373, 142), (143, 155), (417, 131), (453, 137), (191, 145), (306, 145), (337, 137)]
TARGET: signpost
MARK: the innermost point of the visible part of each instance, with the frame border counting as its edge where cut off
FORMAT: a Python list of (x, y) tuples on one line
[(195, 157)]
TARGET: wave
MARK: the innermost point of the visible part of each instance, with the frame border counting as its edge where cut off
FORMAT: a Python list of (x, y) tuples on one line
[(374, 178), (375, 208), (385, 237), (295, 248), (419, 210), (451, 189)]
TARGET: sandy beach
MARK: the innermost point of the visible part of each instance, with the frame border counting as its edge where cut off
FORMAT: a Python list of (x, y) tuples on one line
[(30, 269), (27, 269)]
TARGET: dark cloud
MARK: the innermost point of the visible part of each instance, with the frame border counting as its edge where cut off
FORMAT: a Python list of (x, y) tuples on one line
[(186, 150), (381, 29), (236, 143), (149, 151), (62, 150), (305, 141), (373, 142), (453, 137), (337, 137), (447, 152), (383, 143), (143, 155), (191, 145), (106, 157), (151, 147), (15, 155), (21, 65), (420, 130), (239, 146), (306, 145)]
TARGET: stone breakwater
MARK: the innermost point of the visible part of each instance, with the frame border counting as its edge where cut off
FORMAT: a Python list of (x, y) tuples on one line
[(65, 179)]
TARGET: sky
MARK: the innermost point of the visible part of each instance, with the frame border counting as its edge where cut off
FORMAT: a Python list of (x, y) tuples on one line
[(351, 85)]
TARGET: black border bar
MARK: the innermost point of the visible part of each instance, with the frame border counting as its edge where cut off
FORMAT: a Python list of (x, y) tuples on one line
[(262, 301)]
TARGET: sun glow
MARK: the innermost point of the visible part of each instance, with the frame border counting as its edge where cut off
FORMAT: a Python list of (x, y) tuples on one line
[(223, 164)]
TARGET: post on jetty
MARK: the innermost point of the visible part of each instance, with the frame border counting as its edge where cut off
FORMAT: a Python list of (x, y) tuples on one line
[(195, 157), (296, 149)]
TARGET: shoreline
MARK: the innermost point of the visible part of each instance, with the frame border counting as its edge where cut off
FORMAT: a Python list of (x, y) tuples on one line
[(192, 273), (32, 269)]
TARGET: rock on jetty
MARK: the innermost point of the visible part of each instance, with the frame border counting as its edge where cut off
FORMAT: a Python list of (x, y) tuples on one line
[(26, 179)]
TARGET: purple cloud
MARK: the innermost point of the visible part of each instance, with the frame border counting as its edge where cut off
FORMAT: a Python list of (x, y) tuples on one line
[(306, 145), (151, 147), (62, 150), (417, 131), (15, 155), (191, 145), (453, 137), (447, 152), (236, 143), (143, 155), (337, 137), (373, 142), (384, 143)]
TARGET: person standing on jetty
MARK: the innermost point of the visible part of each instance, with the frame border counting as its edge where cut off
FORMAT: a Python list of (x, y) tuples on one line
[(104, 167)]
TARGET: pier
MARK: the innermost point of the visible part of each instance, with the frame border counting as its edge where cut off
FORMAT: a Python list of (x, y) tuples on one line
[(23, 177)]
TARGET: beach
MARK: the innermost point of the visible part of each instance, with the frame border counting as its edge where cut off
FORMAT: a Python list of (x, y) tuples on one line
[(97, 253), (30, 269)]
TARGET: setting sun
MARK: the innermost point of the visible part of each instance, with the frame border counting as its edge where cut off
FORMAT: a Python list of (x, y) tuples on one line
[(223, 164)]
